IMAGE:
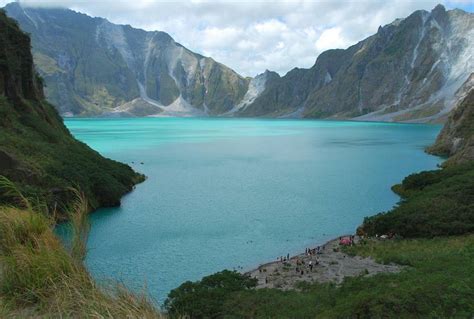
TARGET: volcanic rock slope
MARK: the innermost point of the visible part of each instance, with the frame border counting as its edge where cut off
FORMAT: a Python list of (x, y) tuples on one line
[(94, 67)]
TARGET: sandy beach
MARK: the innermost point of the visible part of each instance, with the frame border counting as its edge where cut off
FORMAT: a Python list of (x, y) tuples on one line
[(329, 265)]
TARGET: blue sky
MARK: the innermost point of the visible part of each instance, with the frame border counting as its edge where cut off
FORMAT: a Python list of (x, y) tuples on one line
[(464, 5), (252, 36)]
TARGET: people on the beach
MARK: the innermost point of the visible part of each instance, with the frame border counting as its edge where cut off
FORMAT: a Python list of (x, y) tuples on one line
[(308, 267)]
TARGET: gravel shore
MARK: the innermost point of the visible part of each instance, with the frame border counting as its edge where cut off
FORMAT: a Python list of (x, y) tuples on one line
[(329, 265)]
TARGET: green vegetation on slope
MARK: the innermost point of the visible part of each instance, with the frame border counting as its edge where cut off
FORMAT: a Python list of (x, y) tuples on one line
[(36, 149), (434, 203)]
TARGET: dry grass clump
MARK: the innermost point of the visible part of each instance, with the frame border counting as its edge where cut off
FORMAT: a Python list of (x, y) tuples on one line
[(39, 277)]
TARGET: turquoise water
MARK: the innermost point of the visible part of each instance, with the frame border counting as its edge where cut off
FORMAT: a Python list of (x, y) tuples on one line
[(233, 193)]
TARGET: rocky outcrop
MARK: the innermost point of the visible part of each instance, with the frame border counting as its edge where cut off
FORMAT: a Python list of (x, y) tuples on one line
[(456, 139), (135, 108), (408, 71), (257, 85), (37, 151), (94, 67)]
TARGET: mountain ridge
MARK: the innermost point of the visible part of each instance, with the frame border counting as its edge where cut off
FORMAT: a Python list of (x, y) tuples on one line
[(389, 76), (93, 66), (408, 71)]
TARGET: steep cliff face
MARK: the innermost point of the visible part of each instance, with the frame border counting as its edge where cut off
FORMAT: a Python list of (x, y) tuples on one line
[(36, 149), (18, 78), (408, 71), (456, 139), (92, 67)]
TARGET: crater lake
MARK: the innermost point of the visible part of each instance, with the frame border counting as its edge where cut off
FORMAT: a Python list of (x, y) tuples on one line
[(234, 193)]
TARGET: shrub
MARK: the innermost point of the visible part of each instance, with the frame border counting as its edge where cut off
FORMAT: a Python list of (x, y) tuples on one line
[(204, 298), (434, 203)]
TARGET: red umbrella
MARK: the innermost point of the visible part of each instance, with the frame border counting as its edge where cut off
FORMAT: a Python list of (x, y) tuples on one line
[(345, 241)]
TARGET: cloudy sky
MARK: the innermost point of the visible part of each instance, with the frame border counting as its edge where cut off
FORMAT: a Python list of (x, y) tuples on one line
[(251, 36)]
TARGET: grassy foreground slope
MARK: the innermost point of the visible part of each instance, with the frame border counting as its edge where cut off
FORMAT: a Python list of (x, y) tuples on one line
[(36, 149), (39, 278)]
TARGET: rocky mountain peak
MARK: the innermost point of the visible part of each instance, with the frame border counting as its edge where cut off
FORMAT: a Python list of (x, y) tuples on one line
[(438, 10)]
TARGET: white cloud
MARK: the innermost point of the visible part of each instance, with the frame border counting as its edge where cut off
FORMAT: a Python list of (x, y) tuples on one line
[(271, 27), (251, 36), (331, 39), (216, 38)]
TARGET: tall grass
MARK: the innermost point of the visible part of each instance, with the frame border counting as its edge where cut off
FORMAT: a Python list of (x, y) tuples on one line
[(40, 278), (10, 191), (80, 226)]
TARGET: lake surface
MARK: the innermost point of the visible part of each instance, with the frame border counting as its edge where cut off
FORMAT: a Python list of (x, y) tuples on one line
[(231, 193)]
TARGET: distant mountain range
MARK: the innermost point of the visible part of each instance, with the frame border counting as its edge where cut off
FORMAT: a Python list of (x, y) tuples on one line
[(410, 70)]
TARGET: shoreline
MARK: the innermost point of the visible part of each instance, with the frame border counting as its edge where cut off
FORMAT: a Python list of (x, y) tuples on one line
[(330, 264)]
